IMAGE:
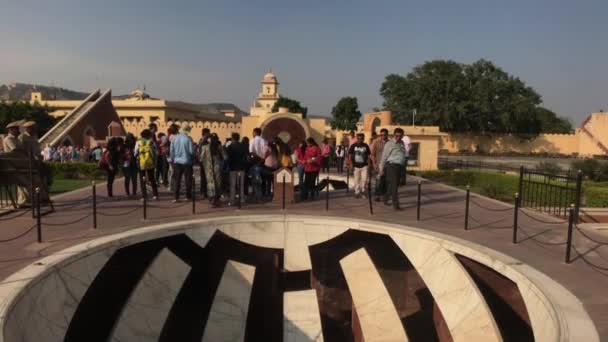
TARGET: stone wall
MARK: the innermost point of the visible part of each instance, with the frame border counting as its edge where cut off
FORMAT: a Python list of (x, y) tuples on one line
[(222, 129), (545, 143)]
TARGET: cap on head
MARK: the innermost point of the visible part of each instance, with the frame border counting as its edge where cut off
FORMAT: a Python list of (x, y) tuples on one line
[(14, 124), (185, 129), (29, 124)]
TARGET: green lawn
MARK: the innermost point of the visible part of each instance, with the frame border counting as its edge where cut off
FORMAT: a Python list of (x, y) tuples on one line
[(64, 185), (503, 186)]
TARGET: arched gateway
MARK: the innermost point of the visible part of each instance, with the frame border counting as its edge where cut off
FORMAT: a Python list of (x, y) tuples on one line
[(289, 127)]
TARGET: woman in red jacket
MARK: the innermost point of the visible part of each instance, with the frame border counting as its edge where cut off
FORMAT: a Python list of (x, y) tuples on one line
[(312, 159)]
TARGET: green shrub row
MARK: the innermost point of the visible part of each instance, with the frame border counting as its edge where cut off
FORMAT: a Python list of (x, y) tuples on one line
[(75, 170), (592, 169), (496, 185), (596, 197)]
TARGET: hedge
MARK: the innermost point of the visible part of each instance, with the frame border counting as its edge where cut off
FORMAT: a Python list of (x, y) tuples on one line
[(496, 185), (75, 170), (596, 197)]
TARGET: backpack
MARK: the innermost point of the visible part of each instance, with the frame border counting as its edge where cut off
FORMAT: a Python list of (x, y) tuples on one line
[(104, 161), (146, 155)]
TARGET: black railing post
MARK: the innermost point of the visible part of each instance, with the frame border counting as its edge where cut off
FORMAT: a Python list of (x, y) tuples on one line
[(94, 188), (577, 203), (145, 196), (283, 199), (418, 200), (570, 226), (193, 195), (520, 186), (327, 194), (38, 216), (466, 209), (369, 197), (515, 217)]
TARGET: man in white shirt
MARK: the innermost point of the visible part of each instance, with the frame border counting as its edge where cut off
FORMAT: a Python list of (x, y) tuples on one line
[(257, 150), (407, 143)]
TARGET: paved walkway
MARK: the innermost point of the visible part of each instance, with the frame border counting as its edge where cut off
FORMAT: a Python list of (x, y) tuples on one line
[(541, 238)]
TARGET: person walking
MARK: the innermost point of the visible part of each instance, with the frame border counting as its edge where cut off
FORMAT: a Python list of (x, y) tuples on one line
[(391, 165), (212, 158), (325, 155), (359, 156), (340, 152), (407, 143), (204, 140), (312, 160), (182, 155), (129, 166), (376, 156), (300, 165), (146, 156), (110, 160), (162, 163), (237, 165), (257, 151)]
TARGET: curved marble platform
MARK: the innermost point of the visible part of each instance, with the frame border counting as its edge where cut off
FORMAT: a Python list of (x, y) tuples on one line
[(279, 254)]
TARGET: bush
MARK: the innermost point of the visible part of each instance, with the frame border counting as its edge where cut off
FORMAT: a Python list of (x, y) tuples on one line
[(596, 197), (592, 169), (549, 167), (76, 170)]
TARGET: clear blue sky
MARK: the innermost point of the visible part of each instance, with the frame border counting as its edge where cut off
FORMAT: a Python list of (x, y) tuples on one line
[(203, 51)]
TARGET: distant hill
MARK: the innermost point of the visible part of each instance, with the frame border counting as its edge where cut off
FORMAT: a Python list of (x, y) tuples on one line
[(23, 91)]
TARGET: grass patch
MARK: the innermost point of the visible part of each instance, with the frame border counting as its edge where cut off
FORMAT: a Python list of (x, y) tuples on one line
[(495, 185), (61, 185)]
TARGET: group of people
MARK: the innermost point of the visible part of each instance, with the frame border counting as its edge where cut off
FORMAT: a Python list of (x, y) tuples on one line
[(238, 167), (386, 159)]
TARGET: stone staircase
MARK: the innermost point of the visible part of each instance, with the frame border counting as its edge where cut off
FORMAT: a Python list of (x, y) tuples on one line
[(53, 136)]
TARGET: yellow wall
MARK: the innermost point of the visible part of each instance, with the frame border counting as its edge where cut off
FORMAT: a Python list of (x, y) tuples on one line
[(222, 129), (544, 143)]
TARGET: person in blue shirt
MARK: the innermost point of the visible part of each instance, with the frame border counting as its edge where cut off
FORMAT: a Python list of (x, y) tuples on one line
[(181, 153)]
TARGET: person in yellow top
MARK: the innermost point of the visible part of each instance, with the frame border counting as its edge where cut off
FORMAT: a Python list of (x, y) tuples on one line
[(284, 153), (29, 140)]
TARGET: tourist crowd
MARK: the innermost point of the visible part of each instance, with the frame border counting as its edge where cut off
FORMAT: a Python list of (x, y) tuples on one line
[(240, 167)]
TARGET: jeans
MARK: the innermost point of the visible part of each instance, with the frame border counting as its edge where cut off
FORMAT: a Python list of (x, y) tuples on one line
[(380, 185), (325, 164), (162, 170), (203, 183), (310, 178), (149, 174), (130, 173), (237, 180), (111, 174), (256, 180), (301, 177), (186, 171), (360, 179), (403, 178), (393, 177), (340, 164)]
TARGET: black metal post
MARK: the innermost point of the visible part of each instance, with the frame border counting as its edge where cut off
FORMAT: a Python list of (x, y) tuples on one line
[(515, 217), (369, 197), (93, 187), (577, 203), (193, 195), (38, 216), (520, 186), (418, 201), (570, 225), (327, 194), (145, 196), (347, 178), (283, 199), (466, 210)]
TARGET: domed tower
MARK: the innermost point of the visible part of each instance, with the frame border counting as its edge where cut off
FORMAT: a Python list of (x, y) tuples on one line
[(268, 96)]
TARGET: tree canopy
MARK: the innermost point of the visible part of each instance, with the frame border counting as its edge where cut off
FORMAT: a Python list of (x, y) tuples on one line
[(294, 106), (20, 110), (345, 114), (479, 98)]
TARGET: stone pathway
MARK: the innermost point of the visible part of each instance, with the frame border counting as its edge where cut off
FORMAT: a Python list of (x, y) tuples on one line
[(541, 238)]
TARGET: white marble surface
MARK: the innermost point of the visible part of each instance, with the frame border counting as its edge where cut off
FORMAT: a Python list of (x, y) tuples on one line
[(228, 317), (145, 313), (555, 314), (302, 319), (297, 254), (462, 305), (377, 314)]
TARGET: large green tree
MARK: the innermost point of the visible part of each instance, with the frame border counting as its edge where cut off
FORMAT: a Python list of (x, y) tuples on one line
[(345, 114), (294, 106), (20, 110), (479, 98)]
